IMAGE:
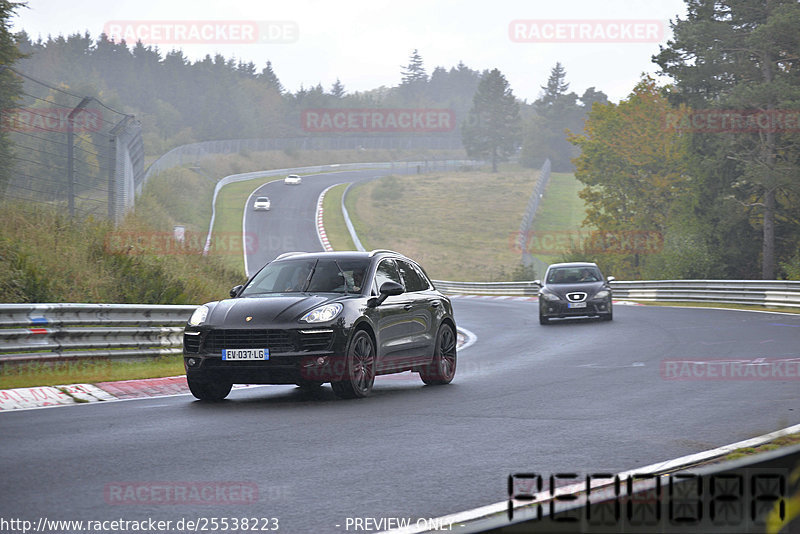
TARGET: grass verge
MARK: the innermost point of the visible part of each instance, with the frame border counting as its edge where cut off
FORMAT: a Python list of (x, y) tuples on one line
[(335, 227), (783, 441), (460, 225), (558, 219), (182, 195), (48, 257), (87, 371)]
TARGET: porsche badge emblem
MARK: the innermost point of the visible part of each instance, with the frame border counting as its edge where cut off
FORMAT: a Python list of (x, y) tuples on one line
[(248, 318)]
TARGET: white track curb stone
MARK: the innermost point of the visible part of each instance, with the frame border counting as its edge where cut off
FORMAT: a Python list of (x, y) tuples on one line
[(323, 237), (40, 397)]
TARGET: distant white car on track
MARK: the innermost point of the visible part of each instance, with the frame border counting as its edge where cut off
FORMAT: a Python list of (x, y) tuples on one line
[(261, 204), (292, 179)]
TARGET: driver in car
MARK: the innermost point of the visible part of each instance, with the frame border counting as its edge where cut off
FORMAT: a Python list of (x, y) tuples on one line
[(298, 280)]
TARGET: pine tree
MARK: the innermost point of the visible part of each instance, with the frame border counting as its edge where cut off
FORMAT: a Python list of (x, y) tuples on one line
[(415, 71), (492, 128), (337, 89), (10, 86), (741, 55), (269, 77), (414, 81), (557, 111), (556, 85)]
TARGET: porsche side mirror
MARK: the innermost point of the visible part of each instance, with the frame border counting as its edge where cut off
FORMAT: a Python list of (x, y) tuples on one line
[(387, 290)]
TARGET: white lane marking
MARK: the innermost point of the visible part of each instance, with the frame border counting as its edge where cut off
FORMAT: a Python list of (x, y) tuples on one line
[(321, 234), (599, 366), (471, 338)]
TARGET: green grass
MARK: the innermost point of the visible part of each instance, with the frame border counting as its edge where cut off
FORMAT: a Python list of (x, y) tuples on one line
[(783, 441), (460, 225), (48, 257), (183, 195), (561, 208), (558, 219), (228, 221), (335, 228), (87, 371)]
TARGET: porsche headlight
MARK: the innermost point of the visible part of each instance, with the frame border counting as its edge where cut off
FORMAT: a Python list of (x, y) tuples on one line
[(323, 313), (199, 315), (603, 293)]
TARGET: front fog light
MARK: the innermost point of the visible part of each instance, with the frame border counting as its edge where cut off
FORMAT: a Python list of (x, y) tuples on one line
[(191, 362)]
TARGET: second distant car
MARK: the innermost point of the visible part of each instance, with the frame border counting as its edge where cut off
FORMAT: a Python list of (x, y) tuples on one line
[(262, 204), (574, 290), (293, 179)]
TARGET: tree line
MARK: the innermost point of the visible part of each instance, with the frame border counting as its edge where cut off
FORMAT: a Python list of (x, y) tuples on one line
[(180, 101), (711, 161), (722, 196)]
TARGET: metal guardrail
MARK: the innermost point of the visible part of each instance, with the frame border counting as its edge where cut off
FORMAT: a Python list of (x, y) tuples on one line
[(530, 289), (763, 293), (758, 292), (51, 332)]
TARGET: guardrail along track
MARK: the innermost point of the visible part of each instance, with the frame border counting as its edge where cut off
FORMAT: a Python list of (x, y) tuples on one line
[(774, 293), (42, 332), (47, 332)]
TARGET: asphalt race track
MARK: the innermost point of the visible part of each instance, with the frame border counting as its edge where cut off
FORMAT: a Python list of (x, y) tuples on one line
[(577, 396), (290, 224)]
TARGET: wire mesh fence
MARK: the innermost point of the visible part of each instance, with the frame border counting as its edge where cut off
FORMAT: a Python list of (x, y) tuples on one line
[(69, 151), (527, 219)]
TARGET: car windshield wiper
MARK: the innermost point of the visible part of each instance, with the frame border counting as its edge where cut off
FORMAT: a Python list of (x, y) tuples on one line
[(308, 278), (344, 278)]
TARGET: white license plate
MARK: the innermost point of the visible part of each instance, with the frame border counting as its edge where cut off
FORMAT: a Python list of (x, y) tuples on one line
[(245, 354), (576, 305)]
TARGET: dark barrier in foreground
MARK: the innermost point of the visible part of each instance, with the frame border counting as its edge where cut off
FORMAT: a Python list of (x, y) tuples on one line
[(757, 494)]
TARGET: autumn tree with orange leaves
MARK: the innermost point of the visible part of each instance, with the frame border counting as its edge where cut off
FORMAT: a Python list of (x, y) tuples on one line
[(633, 163)]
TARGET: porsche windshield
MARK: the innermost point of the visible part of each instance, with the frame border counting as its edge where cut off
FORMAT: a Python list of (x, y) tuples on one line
[(308, 276)]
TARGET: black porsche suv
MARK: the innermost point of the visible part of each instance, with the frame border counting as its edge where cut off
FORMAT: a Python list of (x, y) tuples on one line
[(312, 318), (573, 290)]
